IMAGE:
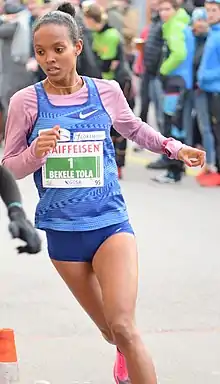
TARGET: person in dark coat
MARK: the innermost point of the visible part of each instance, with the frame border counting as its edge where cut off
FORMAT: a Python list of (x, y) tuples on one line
[(87, 63)]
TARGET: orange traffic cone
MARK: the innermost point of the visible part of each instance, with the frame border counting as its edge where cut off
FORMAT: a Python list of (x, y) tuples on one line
[(8, 357)]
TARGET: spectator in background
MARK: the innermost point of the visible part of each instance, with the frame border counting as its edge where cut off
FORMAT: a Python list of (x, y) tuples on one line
[(209, 81), (15, 51), (130, 19), (138, 67), (35, 10), (87, 61), (46, 7), (106, 39), (1, 106), (151, 88), (187, 5), (124, 17), (1, 123), (107, 45), (199, 3), (139, 71), (200, 30), (115, 15), (177, 74)]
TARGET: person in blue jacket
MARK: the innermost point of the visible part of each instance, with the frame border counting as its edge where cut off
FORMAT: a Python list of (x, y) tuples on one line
[(209, 81), (200, 29), (176, 74)]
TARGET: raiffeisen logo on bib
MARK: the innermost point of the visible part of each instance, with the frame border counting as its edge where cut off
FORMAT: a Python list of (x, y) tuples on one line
[(84, 136), (76, 148)]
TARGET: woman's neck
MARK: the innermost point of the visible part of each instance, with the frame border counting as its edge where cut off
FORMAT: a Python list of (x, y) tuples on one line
[(65, 86)]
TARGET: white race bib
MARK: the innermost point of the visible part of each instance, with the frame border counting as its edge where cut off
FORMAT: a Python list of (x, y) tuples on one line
[(74, 165)]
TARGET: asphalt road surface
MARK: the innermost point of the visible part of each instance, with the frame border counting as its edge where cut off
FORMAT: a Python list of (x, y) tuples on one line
[(178, 307)]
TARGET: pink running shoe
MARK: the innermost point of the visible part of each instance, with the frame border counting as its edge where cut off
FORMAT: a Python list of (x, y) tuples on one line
[(120, 369)]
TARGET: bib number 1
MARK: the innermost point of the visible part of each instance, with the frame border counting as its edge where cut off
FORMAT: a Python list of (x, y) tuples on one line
[(71, 162)]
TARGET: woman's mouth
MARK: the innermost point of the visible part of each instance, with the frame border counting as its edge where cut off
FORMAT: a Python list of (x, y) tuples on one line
[(53, 71)]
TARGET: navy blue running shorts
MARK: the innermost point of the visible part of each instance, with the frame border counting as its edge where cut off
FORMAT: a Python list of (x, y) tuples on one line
[(81, 246)]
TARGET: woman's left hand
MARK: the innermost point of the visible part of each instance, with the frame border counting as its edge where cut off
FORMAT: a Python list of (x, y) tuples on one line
[(191, 156)]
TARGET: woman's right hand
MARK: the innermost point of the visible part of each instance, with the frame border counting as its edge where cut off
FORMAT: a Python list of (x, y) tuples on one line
[(46, 141)]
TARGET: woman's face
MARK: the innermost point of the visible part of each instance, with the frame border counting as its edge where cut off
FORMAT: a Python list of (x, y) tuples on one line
[(55, 52), (166, 11)]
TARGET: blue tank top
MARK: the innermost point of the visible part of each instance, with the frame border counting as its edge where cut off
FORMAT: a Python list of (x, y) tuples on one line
[(85, 208)]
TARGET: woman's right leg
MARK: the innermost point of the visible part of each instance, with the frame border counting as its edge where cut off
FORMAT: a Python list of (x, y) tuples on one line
[(82, 282), (71, 253)]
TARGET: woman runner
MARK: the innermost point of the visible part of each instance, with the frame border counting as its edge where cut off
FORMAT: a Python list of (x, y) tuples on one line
[(59, 130)]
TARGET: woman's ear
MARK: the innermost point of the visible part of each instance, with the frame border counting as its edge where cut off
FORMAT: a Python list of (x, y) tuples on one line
[(78, 47)]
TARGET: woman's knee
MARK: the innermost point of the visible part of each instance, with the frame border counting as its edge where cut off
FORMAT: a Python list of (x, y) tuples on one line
[(123, 330), (106, 333)]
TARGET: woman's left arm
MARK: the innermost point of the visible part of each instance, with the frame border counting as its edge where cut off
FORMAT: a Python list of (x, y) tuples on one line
[(133, 128)]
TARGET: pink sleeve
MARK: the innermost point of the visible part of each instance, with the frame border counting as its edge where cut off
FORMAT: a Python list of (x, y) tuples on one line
[(18, 157), (133, 128)]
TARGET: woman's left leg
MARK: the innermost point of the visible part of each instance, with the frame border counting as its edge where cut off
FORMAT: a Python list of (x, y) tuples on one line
[(116, 267)]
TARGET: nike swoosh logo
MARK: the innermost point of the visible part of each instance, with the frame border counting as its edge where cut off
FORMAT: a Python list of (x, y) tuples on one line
[(85, 115)]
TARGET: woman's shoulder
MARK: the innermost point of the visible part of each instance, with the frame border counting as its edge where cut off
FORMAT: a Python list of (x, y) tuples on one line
[(25, 102), (110, 94), (109, 86), (26, 96)]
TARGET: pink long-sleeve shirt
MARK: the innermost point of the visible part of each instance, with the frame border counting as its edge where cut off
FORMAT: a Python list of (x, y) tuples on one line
[(22, 114)]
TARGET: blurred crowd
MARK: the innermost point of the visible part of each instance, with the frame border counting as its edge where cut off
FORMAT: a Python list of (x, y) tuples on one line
[(176, 61), (179, 64)]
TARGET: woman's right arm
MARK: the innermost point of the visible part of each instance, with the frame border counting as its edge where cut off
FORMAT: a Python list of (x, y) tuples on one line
[(20, 159)]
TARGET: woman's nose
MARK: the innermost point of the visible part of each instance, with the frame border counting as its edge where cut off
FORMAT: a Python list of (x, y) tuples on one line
[(50, 59)]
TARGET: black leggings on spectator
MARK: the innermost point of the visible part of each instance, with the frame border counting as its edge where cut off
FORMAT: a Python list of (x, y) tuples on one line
[(174, 166), (2, 123), (120, 145), (214, 110), (145, 97)]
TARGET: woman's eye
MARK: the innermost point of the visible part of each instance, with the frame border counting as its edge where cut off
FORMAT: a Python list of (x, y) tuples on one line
[(59, 50), (40, 52)]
